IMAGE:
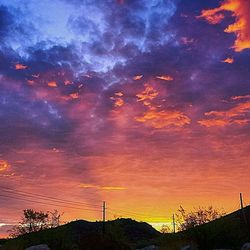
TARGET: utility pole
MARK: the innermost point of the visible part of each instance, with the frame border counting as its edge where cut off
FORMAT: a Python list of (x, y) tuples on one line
[(242, 209), (241, 202), (174, 223), (103, 217)]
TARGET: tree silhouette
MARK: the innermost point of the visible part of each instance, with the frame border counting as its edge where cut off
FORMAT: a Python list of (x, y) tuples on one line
[(55, 218), (199, 216), (33, 221), (165, 229)]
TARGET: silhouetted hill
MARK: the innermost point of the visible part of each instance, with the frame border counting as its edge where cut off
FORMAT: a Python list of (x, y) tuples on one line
[(2, 241), (228, 232), (119, 234)]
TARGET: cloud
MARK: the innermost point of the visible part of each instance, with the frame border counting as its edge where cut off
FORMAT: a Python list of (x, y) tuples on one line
[(241, 27), (15, 27), (154, 116), (26, 115), (4, 165), (115, 33), (6, 170), (240, 97), (213, 122), (52, 84), (237, 114), (186, 40), (104, 188), (229, 60), (148, 94), (20, 66), (165, 78), (163, 119), (6, 21), (138, 77), (118, 101)]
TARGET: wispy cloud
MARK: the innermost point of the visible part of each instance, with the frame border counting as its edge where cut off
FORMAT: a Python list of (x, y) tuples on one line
[(105, 188), (165, 77), (237, 114)]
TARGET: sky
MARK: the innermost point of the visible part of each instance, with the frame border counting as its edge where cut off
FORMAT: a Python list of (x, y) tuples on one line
[(144, 104)]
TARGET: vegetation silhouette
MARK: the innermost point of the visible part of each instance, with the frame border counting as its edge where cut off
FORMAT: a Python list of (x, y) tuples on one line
[(229, 231), (34, 221)]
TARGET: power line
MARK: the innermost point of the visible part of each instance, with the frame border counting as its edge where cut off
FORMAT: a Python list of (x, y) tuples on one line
[(135, 214), (44, 199), (67, 203), (33, 201), (43, 196), (33, 195)]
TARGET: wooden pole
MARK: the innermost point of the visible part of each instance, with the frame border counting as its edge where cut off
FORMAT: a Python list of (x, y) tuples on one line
[(242, 209), (103, 217), (173, 223)]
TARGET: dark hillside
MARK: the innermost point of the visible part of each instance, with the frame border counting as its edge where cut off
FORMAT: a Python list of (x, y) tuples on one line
[(120, 234), (228, 232)]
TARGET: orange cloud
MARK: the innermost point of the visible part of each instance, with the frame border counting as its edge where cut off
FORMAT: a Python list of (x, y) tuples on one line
[(165, 78), (74, 95), (229, 60), (235, 115), (212, 16), (118, 100), (52, 84), (154, 117), (213, 122), (240, 10), (148, 94), (162, 119), (20, 66), (242, 121), (137, 77), (4, 165), (239, 109), (119, 94), (105, 188)]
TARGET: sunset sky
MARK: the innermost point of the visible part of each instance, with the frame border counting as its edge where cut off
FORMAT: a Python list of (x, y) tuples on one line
[(144, 104)]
